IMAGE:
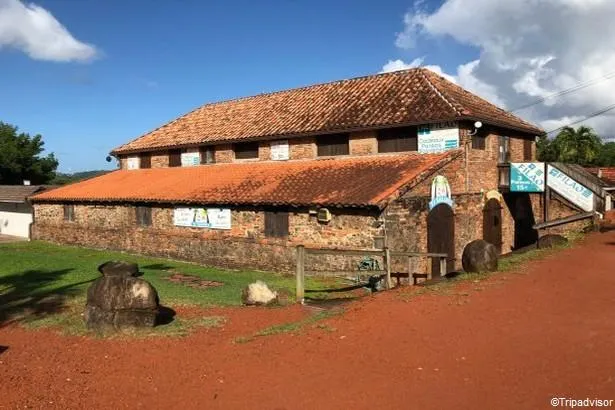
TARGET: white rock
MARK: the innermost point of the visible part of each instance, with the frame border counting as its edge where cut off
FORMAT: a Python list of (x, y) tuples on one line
[(258, 293)]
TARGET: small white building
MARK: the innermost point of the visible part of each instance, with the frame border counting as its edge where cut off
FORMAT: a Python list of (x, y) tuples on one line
[(15, 210)]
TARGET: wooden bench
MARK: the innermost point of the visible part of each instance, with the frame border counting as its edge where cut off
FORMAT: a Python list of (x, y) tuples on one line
[(415, 276)]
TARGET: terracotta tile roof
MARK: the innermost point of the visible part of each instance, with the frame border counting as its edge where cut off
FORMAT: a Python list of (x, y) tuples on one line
[(415, 96), (19, 193), (606, 174), (345, 182)]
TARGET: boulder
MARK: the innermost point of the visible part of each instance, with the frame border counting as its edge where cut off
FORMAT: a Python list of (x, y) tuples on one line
[(258, 293), (479, 256), (120, 300), (551, 241)]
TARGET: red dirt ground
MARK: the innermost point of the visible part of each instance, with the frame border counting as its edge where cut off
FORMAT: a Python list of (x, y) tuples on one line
[(515, 341)]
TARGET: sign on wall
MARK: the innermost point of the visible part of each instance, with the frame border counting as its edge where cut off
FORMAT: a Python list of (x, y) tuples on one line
[(133, 163), (279, 150), (527, 177), (190, 159), (440, 192), (213, 218), (438, 137), (570, 189)]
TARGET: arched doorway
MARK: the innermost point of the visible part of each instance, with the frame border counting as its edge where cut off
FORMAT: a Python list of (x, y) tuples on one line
[(441, 237), (492, 223)]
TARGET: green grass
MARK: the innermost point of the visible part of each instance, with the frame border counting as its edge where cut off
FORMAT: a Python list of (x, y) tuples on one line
[(294, 327), (39, 279)]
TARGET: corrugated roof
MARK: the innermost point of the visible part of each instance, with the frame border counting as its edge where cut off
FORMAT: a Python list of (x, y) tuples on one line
[(345, 182), (415, 96), (18, 193)]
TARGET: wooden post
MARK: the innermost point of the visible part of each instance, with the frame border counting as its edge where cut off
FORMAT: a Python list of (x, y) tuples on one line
[(409, 270), (387, 258), (443, 266), (300, 292)]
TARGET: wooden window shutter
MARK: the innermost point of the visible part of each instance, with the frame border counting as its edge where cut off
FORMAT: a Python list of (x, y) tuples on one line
[(478, 142), (527, 150), (398, 140), (69, 213), (146, 160), (175, 158), (331, 145), (246, 150), (207, 155), (276, 224), (144, 215)]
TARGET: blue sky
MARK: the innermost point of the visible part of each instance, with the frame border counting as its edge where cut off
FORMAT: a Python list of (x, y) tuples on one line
[(160, 59)]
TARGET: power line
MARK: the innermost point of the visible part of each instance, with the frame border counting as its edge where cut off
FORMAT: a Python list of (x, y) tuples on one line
[(595, 114), (577, 87)]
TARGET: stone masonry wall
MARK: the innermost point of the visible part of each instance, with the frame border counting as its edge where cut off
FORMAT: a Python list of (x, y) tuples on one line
[(363, 143), (302, 148), (224, 153), (244, 245)]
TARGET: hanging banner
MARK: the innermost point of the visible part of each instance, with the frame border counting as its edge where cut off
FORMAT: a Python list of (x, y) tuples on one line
[(527, 177), (190, 159), (279, 150), (438, 137), (570, 189), (440, 192), (213, 218)]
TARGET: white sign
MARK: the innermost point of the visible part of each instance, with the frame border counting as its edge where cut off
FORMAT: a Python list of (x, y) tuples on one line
[(279, 150), (190, 159), (133, 163), (570, 189), (214, 218), (438, 137), (527, 177)]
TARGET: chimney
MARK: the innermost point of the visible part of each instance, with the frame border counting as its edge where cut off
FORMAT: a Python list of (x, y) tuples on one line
[(26, 182)]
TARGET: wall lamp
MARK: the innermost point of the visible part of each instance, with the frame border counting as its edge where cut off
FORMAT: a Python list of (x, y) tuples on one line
[(477, 126)]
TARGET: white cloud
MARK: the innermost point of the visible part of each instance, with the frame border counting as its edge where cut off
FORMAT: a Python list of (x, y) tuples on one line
[(36, 32), (397, 65), (529, 50)]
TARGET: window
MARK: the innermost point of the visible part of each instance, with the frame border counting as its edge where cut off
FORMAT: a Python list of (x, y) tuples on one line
[(144, 216), (276, 224), (146, 160), (478, 142), (208, 155), (527, 150), (246, 150), (504, 149), (398, 139), (329, 145), (69, 213), (175, 158)]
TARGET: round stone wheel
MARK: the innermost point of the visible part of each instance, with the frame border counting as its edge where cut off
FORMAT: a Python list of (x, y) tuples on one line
[(480, 256)]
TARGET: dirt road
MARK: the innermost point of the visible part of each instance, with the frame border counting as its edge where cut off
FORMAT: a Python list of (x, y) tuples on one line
[(515, 341)]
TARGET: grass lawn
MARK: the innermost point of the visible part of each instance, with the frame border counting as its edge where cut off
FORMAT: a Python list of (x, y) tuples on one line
[(38, 279)]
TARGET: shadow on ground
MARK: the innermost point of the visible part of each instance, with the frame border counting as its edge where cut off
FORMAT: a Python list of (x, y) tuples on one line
[(3, 349), (31, 294), (165, 316)]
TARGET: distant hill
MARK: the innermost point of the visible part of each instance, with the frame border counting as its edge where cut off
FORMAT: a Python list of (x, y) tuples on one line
[(63, 179)]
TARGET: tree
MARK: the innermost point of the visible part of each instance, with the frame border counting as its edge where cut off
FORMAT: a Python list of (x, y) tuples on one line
[(580, 146), (20, 158), (546, 150), (606, 157)]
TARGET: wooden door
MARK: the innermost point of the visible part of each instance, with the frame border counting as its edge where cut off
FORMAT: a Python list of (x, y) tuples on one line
[(441, 237), (492, 223)]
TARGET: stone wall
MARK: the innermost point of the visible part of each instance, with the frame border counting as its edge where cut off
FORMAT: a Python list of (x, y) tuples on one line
[(224, 153), (363, 143), (244, 245), (302, 148)]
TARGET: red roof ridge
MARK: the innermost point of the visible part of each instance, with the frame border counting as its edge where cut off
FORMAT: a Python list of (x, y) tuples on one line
[(426, 72)]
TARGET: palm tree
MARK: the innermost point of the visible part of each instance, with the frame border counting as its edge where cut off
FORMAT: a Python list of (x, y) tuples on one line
[(580, 146)]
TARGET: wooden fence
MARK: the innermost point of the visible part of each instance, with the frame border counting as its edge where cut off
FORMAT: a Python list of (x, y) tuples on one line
[(386, 254)]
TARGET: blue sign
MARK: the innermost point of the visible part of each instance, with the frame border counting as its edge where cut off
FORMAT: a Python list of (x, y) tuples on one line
[(527, 177)]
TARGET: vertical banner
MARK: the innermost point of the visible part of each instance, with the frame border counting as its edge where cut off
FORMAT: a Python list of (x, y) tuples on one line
[(527, 177), (133, 163)]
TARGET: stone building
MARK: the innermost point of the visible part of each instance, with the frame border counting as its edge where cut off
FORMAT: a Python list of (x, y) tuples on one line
[(350, 164)]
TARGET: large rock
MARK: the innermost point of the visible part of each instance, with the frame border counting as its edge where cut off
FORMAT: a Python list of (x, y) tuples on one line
[(480, 256), (258, 293), (551, 241), (120, 300)]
